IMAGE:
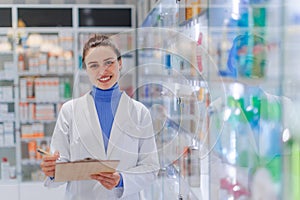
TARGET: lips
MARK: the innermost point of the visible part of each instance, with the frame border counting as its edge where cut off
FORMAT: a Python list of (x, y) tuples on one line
[(104, 79)]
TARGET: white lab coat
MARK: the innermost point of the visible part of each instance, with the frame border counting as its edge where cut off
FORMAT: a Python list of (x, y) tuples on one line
[(77, 135)]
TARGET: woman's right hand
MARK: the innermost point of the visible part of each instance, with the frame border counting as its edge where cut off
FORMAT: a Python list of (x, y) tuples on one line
[(48, 164)]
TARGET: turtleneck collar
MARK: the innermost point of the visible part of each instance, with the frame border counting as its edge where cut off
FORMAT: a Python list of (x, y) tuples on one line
[(105, 95)]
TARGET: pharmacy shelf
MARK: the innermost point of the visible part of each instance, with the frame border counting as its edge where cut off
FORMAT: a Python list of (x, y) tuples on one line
[(44, 101), (6, 79), (37, 121), (45, 74), (7, 146), (7, 101)]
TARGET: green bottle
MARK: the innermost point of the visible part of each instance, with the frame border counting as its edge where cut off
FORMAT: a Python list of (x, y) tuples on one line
[(67, 90)]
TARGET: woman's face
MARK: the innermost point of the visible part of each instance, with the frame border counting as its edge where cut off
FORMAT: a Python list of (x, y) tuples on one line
[(103, 67)]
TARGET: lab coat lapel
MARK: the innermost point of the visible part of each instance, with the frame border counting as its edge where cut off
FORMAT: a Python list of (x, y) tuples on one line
[(88, 119), (122, 115)]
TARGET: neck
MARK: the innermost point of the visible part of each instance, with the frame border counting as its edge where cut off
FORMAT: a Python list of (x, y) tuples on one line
[(107, 94)]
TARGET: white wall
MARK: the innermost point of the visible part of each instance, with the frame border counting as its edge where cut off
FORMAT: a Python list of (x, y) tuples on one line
[(30, 191)]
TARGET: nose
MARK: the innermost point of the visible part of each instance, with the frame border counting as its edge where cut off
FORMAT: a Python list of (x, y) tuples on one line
[(101, 70)]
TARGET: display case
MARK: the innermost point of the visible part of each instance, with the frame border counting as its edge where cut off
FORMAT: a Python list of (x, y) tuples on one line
[(45, 73), (235, 53), (8, 121), (291, 136), (247, 126), (172, 84), (45, 76)]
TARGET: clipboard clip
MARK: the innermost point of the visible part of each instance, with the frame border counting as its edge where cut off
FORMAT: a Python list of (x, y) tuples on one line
[(88, 159)]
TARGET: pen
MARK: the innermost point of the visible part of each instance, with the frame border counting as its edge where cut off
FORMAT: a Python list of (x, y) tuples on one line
[(43, 152)]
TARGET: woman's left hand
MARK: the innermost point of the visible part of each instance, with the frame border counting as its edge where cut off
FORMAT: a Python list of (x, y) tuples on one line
[(108, 180)]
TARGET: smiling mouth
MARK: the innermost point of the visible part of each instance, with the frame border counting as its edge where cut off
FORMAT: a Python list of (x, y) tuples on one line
[(104, 79)]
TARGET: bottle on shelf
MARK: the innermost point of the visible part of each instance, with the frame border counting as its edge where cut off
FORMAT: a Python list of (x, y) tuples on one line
[(32, 145), (192, 8), (21, 62), (67, 89), (5, 168), (194, 173), (61, 88)]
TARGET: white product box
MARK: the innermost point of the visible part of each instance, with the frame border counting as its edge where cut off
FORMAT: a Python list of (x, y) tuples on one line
[(9, 70), (23, 91), (7, 93), (1, 140), (1, 135), (8, 127), (9, 139), (1, 129), (3, 108)]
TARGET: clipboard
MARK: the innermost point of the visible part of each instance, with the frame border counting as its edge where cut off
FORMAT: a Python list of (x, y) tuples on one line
[(82, 169)]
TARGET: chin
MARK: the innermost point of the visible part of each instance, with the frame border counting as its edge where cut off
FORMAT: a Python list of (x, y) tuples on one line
[(104, 86)]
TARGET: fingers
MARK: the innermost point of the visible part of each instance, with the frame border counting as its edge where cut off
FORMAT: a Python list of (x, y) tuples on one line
[(50, 171), (48, 168), (107, 175), (48, 164), (108, 180), (56, 154), (53, 157), (49, 158)]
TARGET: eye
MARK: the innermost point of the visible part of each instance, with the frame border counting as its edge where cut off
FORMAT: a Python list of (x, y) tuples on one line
[(93, 66), (108, 63)]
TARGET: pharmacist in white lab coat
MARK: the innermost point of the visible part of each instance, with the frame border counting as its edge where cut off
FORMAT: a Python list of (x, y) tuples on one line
[(104, 124)]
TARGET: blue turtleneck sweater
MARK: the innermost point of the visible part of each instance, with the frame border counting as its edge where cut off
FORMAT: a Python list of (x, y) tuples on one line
[(106, 102)]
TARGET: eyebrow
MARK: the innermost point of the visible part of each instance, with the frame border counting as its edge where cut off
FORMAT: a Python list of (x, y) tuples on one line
[(91, 62), (108, 58)]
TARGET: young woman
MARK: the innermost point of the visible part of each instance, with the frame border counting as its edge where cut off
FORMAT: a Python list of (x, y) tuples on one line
[(104, 124)]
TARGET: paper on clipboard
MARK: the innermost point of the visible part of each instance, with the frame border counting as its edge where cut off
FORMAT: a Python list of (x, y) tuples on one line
[(81, 170)]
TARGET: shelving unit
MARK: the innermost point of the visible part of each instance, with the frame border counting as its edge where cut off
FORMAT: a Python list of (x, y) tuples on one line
[(236, 55), (173, 86), (46, 66), (8, 81)]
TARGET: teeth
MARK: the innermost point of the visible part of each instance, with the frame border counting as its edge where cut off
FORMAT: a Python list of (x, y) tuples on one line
[(105, 78)]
